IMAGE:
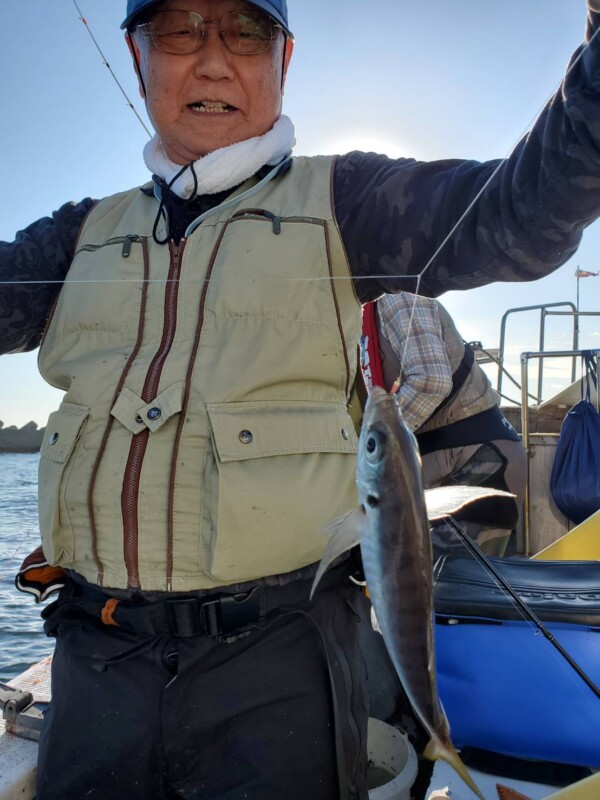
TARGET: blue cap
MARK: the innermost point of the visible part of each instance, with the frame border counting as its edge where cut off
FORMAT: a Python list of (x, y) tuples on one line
[(277, 9)]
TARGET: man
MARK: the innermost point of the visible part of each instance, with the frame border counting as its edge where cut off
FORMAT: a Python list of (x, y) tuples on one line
[(204, 440), (446, 399)]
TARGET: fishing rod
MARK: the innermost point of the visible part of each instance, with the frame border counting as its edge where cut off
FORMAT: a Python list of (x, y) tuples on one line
[(110, 69), (480, 556)]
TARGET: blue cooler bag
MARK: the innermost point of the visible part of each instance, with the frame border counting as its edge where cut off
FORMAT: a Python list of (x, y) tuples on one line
[(503, 686)]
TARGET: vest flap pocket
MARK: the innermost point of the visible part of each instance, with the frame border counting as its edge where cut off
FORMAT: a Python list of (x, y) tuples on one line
[(243, 431), (62, 430), (283, 471)]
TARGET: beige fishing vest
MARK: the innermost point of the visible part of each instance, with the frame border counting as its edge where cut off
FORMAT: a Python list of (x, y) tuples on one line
[(204, 437)]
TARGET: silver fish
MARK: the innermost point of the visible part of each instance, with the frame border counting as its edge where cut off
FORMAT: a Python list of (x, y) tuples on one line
[(393, 531)]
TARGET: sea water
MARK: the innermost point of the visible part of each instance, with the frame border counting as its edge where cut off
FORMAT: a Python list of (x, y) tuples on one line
[(22, 639)]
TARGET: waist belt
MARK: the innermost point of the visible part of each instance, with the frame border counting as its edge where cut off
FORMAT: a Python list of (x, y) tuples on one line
[(486, 426), (217, 615)]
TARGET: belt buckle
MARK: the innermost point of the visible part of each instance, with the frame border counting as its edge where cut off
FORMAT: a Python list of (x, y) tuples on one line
[(238, 610)]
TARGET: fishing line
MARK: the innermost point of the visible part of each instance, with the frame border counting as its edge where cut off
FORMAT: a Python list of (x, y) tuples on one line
[(529, 615), (328, 279), (110, 69), (471, 546), (451, 233), (585, 46), (92, 280)]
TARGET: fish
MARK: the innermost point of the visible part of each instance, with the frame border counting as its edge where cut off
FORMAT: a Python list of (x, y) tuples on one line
[(392, 527)]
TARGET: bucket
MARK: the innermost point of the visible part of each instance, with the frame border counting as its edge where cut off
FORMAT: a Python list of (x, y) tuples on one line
[(392, 762)]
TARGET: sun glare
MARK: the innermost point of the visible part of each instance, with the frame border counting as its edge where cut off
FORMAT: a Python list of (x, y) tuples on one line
[(365, 141)]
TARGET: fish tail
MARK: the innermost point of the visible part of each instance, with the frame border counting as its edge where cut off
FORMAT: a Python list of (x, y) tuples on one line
[(437, 749)]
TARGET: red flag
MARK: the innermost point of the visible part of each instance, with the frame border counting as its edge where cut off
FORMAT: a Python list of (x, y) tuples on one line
[(582, 273)]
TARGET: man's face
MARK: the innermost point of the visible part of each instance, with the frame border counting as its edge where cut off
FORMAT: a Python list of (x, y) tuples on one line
[(176, 85)]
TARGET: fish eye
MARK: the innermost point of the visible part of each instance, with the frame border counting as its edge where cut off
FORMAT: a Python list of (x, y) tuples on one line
[(375, 445)]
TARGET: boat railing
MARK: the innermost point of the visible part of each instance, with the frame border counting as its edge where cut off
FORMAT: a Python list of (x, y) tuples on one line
[(545, 310)]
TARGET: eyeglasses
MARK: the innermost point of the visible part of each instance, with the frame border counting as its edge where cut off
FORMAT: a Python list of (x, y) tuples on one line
[(183, 32)]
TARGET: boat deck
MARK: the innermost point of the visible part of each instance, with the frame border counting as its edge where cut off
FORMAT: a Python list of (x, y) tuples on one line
[(18, 757)]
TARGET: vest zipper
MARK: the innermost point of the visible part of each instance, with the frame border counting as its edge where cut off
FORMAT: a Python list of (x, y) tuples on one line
[(124, 374), (131, 480), (186, 400), (126, 241), (268, 216)]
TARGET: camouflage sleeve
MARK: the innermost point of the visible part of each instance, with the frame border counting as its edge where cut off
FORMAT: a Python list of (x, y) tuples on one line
[(395, 215), (32, 269)]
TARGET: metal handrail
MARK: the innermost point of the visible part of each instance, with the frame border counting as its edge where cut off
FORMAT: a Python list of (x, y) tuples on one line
[(542, 308), (525, 357)]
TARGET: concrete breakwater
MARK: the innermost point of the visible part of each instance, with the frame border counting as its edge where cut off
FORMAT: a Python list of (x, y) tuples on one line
[(27, 439)]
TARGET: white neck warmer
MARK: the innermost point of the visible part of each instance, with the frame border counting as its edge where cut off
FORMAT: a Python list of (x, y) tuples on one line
[(226, 167)]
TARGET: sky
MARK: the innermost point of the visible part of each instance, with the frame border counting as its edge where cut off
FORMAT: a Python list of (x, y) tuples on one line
[(411, 78)]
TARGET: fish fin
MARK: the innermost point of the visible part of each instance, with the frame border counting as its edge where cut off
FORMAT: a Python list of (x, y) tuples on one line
[(346, 532), (471, 503), (505, 793), (436, 749)]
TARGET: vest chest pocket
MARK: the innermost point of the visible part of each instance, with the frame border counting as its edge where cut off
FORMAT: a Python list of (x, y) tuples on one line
[(103, 290), (273, 271), (284, 470), (62, 433)]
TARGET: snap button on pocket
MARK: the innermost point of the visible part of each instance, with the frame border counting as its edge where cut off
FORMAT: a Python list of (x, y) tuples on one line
[(53, 439), (154, 413), (345, 434), (246, 437), (138, 419)]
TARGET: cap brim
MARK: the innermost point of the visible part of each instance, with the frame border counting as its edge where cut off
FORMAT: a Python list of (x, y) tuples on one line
[(139, 10), (264, 5)]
